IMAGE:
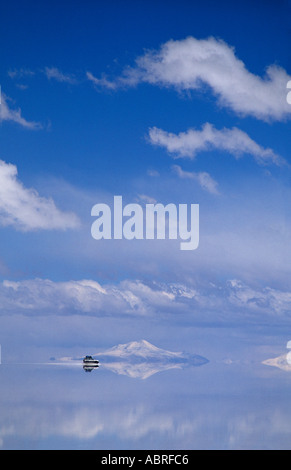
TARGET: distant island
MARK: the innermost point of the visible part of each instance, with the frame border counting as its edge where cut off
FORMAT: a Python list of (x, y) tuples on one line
[(141, 359), (280, 362)]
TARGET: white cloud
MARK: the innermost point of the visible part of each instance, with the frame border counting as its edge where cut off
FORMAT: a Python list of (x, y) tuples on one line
[(102, 82), (25, 209), (190, 64), (20, 73), (153, 173), (233, 141), (50, 72), (146, 199), (14, 115), (85, 296), (203, 178), (56, 74), (139, 299), (267, 298)]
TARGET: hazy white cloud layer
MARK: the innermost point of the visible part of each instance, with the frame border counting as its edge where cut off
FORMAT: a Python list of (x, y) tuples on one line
[(233, 141), (24, 209), (131, 416), (14, 115), (193, 64), (233, 299)]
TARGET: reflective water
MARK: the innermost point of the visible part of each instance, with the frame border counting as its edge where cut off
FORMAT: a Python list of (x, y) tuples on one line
[(234, 401)]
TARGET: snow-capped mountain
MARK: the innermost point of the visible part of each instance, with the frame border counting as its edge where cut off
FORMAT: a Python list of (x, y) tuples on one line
[(281, 362), (141, 359), (142, 349)]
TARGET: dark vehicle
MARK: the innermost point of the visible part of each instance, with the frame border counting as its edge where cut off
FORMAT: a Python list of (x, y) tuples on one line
[(88, 360), (89, 363)]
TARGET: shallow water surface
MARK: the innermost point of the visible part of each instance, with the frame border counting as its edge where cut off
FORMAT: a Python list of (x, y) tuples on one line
[(158, 402)]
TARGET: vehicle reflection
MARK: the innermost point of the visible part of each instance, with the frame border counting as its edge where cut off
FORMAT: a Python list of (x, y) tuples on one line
[(89, 368)]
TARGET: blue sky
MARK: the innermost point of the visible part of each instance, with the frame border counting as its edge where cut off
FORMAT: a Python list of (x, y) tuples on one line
[(156, 101)]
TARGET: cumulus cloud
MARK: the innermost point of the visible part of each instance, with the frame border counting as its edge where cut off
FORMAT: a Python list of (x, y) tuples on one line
[(14, 115), (140, 299), (267, 298), (25, 209), (55, 74), (203, 178), (85, 296), (193, 64), (233, 141)]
